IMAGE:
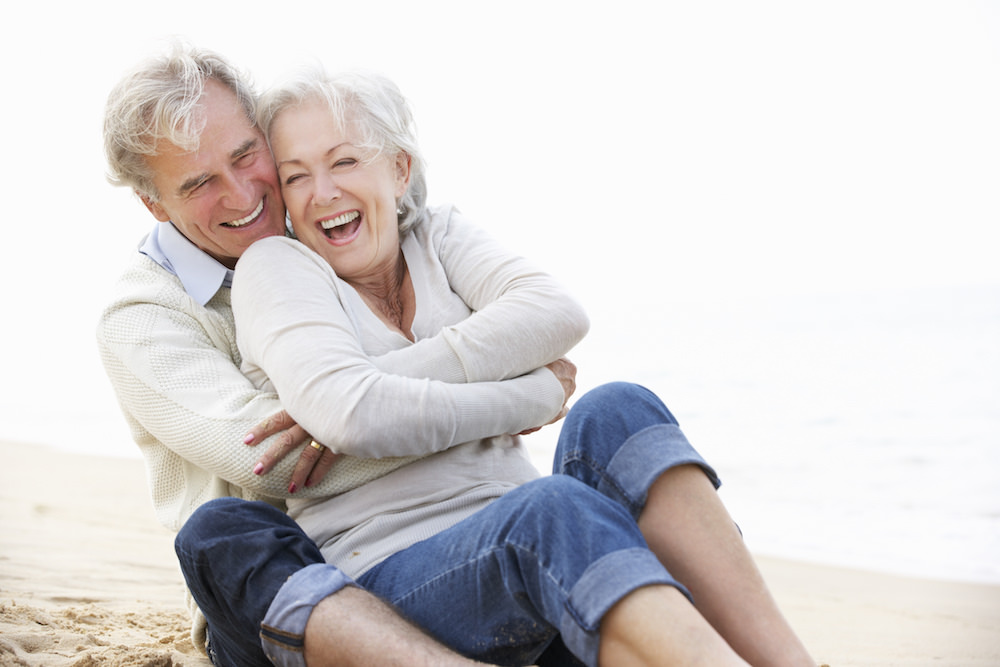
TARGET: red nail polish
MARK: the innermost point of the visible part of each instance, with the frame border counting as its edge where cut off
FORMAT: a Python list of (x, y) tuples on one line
[(292, 488)]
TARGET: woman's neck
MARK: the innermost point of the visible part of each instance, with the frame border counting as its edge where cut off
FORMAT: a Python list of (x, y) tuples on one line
[(389, 294)]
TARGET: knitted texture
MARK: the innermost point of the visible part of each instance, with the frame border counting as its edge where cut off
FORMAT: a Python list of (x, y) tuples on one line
[(174, 366)]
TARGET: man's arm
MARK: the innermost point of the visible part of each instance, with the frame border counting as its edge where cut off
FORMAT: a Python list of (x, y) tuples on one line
[(173, 366)]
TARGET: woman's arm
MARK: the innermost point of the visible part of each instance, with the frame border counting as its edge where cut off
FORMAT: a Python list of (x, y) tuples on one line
[(523, 317), (292, 324)]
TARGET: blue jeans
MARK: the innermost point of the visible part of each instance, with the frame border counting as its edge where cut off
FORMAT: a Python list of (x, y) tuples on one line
[(521, 581)]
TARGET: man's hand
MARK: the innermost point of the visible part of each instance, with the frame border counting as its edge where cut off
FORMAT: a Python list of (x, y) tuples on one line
[(565, 371), (314, 461)]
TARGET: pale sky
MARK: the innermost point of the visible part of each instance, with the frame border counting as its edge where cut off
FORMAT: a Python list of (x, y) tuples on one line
[(644, 152)]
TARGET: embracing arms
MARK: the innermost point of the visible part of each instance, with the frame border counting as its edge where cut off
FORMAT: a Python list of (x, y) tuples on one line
[(298, 322)]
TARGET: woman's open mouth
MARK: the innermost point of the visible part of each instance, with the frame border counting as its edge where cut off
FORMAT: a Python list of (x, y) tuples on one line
[(343, 228)]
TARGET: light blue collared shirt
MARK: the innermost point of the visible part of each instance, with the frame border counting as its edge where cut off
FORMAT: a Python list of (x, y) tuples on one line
[(201, 274)]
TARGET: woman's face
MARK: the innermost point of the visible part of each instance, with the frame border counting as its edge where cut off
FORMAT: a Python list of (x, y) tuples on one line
[(342, 203)]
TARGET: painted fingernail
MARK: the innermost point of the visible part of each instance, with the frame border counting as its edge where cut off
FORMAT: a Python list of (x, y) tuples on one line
[(248, 438), (293, 487), (258, 469)]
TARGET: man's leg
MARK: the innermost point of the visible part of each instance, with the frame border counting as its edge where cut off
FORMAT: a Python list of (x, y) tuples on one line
[(355, 629), (235, 556), (622, 440), (271, 600)]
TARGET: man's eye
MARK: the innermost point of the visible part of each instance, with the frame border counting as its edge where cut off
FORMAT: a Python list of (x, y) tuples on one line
[(196, 187)]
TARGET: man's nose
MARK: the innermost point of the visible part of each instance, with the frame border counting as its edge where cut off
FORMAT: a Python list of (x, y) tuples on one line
[(241, 194)]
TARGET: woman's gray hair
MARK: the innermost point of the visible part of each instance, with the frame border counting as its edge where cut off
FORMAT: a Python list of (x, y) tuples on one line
[(368, 103), (158, 102)]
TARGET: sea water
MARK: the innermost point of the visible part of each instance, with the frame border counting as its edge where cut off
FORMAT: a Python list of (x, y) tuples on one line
[(857, 429)]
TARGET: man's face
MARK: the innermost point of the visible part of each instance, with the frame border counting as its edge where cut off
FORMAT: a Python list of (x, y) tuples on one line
[(225, 195)]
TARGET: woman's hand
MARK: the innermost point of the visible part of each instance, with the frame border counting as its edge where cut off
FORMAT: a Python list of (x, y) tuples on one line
[(565, 371), (314, 462)]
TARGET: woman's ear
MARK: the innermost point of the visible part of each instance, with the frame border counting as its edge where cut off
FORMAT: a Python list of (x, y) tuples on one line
[(403, 161)]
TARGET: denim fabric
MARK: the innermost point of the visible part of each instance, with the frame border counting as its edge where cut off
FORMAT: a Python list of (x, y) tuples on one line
[(525, 580), (551, 556), (282, 632), (619, 438), (235, 556)]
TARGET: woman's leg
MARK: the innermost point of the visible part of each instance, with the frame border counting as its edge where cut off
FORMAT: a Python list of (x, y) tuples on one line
[(657, 625), (552, 556), (691, 532), (622, 440)]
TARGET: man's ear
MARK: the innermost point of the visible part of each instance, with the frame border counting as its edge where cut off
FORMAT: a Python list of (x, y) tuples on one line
[(403, 161), (158, 212)]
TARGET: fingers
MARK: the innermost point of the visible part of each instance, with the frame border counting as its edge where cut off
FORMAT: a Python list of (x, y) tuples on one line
[(264, 430), (565, 371), (308, 460), (326, 461), (283, 445)]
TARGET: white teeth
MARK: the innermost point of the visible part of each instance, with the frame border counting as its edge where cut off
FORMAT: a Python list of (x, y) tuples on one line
[(243, 221), (341, 219)]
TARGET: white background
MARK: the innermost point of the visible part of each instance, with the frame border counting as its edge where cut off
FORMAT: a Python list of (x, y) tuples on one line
[(652, 155)]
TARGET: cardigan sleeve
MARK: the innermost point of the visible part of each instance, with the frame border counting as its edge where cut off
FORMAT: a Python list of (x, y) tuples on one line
[(174, 367), (293, 326), (523, 319)]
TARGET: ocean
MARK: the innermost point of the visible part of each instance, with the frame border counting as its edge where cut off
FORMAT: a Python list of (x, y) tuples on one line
[(858, 429)]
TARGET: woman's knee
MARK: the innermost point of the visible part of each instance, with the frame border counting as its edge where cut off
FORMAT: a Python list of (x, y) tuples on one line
[(614, 399)]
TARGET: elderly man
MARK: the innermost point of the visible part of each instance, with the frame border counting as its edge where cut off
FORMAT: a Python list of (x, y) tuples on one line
[(181, 132)]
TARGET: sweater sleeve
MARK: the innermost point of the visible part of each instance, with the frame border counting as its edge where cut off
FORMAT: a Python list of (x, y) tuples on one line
[(523, 319), (174, 367), (293, 325)]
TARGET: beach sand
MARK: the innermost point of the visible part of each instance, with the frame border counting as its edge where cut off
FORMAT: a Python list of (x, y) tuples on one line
[(88, 577)]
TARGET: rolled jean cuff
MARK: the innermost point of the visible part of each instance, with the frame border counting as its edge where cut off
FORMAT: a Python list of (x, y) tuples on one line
[(603, 585), (644, 457), (283, 630)]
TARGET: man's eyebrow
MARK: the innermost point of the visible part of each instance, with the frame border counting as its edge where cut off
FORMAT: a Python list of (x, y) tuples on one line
[(244, 148), (190, 184), (193, 182)]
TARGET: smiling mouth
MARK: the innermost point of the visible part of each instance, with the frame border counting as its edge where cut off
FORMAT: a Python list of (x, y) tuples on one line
[(341, 227), (248, 219)]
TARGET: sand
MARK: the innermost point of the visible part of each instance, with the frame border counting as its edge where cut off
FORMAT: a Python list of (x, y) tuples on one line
[(88, 577)]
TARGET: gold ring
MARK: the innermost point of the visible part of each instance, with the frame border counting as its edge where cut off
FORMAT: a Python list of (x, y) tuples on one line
[(318, 447)]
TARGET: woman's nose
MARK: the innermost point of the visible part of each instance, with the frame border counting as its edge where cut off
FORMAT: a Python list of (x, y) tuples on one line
[(326, 190)]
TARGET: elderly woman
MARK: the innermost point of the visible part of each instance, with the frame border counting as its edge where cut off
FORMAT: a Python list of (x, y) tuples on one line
[(413, 346)]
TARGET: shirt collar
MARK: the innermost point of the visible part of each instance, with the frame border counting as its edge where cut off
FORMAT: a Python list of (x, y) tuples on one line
[(201, 274)]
